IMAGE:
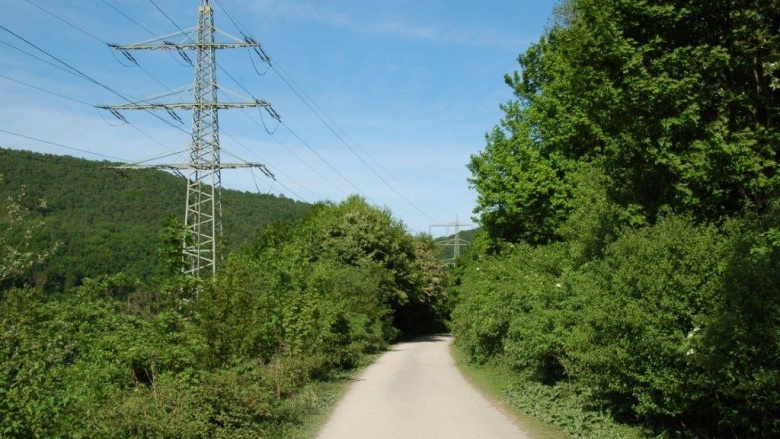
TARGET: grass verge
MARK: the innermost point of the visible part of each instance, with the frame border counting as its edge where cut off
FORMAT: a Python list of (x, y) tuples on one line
[(493, 381), (320, 399), (544, 412)]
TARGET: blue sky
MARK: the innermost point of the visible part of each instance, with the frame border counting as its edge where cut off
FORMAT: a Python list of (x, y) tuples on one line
[(410, 86)]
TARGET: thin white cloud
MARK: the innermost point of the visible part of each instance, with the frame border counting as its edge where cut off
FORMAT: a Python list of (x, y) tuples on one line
[(298, 10), (304, 10)]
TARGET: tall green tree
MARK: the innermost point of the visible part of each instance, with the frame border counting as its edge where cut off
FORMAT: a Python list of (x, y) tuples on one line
[(677, 100)]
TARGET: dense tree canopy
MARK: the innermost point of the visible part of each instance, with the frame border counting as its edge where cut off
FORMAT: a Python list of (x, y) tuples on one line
[(628, 199), (676, 100)]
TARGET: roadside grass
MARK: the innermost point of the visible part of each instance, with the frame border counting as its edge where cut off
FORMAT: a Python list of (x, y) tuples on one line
[(544, 412), (317, 401)]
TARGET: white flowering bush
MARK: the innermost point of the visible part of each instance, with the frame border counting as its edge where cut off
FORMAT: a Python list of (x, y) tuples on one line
[(18, 254)]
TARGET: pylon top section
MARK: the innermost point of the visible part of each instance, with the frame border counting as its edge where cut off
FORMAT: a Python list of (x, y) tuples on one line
[(203, 209)]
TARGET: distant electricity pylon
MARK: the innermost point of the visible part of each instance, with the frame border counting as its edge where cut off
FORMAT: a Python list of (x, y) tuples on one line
[(203, 207), (454, 241)]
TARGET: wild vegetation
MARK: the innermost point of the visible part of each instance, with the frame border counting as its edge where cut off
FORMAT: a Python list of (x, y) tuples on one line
[(235, 356), (626, 272), (629, 206)]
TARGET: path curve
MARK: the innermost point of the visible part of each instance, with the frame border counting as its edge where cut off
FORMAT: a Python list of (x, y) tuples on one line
[(416, 391)]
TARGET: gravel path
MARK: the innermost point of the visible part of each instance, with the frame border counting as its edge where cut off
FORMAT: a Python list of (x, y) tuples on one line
[(415, 391)]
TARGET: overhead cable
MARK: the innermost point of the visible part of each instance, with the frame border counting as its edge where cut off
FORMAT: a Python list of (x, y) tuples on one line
[(60, 145)]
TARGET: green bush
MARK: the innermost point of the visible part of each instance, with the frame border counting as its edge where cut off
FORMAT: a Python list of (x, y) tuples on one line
[(646, 300), (230, 357), (739, 343), (676, 326)]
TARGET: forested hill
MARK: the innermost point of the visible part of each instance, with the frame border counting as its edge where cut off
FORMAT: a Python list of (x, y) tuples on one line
[(109, 223)]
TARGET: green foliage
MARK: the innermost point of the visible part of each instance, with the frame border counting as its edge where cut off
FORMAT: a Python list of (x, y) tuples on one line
[(565, 406), (673, 100), (523, 192), (739, 338), (646, 299), (64, 359), (116, 357), (18, 252), (409, 277), (674, 325), (108, 223), (641, 156), (517, 306)]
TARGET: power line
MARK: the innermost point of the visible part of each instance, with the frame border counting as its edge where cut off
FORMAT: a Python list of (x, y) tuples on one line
[(144, 133), (305, 163), (326, 162), (60, 145), (273, 170), (89, 34), (350, 148), (242, 30), (169, 18), (249, 93), (68, 66), (79, 73), (68, 23), (92, 36), (45, 91), (285, 77), (32, 55), (63, 20), (127, 17), (277, 64), (232, 18)]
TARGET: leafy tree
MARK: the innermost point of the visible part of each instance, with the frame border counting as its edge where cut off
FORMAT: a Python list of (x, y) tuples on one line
[(177, 288), (523, 193), (359, 235), (17, 240), (675, 100)]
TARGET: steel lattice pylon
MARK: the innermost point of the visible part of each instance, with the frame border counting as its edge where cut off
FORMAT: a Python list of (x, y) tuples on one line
[(454, 241), (204, 202), (203, 210)]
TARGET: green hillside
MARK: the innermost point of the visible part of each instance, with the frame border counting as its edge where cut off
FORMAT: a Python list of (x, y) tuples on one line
[(108, 222)]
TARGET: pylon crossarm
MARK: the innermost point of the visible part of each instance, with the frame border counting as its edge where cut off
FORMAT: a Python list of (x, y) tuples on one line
[(176, 92), (248, 41), (186, 105), (186, 46), (157, 41), (235, 94), (163, 43), (193, 166)]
